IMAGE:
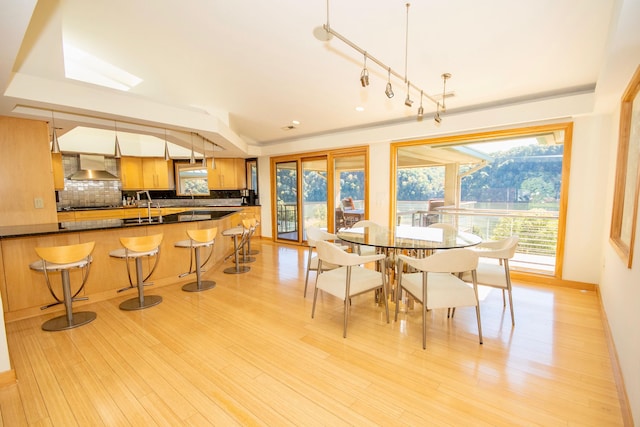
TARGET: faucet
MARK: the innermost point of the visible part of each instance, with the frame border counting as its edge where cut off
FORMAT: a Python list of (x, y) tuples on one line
[(193, 201), (148, 202)]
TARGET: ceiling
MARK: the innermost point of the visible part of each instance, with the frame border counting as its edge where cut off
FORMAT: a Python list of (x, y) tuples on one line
[(240, 72)]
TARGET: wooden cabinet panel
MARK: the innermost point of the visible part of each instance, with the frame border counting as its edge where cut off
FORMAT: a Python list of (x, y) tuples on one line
[(26, 176), (241, 175), (99, 214), (131, 173), (58, 171), (157, 174), (66, 216), (229, 174)]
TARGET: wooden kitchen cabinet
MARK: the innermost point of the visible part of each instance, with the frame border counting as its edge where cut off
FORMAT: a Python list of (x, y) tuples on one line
[(58, 171), (157, 174), (229, 174), (131, 173), (146, 173)]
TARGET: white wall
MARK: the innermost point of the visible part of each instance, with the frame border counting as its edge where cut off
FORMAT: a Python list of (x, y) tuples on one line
[(620, 288), (587, 190)]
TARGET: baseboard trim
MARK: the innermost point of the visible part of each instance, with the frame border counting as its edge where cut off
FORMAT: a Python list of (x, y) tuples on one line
[(541, 279), (623, 399)]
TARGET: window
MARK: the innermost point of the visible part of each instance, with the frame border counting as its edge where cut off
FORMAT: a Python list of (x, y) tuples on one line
[(191, 180), (493, 184)]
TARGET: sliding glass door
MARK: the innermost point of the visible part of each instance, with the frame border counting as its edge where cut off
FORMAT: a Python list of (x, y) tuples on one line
[(286, 191), (309, 190), (314, 193)]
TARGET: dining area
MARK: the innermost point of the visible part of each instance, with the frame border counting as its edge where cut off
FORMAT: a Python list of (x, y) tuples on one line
[(437, 266)]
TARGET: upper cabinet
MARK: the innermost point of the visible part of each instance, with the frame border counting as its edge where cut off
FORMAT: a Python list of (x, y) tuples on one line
[(131, 173), (229, 174), (157, 174), (146, 173)]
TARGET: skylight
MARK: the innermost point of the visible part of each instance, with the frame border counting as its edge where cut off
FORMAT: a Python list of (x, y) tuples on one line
[(82, 66)]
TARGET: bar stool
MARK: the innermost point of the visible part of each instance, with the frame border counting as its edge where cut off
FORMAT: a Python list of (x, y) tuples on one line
[(198, 239), (63, 259), (234, 233), (249, 228), (253, 224), (137, 248)]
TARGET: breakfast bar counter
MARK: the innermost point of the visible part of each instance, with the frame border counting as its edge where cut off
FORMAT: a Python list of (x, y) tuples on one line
[(23, 290)]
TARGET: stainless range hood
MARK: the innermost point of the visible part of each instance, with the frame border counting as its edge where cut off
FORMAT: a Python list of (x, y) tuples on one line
[(92, 168)]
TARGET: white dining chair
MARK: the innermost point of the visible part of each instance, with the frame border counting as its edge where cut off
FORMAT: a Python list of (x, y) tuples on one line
[(364, 249), (349, 279), (314, 235), (436, 284), (493, 267)]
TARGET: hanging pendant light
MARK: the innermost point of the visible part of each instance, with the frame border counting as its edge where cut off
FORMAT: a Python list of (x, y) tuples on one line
[(167, 157), (192, 160), (204, 155), (55, 145), (420, 109), (213, 156), (117, 152)]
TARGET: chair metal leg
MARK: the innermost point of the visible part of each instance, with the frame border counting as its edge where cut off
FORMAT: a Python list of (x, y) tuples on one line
[(199, 285), (141, 301), (238, 269)]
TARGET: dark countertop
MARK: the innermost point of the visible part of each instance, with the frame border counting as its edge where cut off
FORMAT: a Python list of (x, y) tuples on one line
[(98, 208), (105, 224)]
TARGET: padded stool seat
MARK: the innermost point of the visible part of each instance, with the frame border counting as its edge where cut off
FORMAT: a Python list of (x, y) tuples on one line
[(62, 259), (137, 248), (234, 233), (198, 239)]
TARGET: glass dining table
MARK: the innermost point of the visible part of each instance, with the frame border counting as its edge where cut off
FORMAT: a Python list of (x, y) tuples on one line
[(421, 240), (413, 241)]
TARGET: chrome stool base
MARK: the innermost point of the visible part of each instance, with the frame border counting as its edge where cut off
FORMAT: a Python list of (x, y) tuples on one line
[(197, 287), (136, 304), (61, 323), (238, 269)]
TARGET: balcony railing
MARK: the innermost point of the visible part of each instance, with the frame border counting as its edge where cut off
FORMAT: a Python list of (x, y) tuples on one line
[(537, 230)]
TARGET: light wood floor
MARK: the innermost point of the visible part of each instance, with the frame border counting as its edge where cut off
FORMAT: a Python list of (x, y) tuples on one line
[(248, 353)]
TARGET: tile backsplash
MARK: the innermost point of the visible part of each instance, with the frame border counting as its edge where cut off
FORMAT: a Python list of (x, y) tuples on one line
[(88, 193)]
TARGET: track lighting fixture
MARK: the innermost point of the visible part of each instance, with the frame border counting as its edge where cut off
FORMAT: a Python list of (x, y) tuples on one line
[(117, 152), (437, 118), (408, 102), (192, 160), (364, 75), (326, 33), (55, 145), (445, 77), (389, 90)]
